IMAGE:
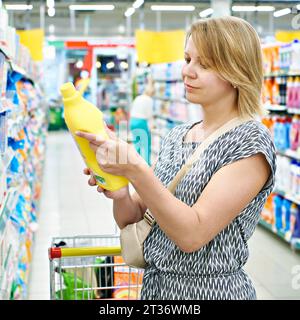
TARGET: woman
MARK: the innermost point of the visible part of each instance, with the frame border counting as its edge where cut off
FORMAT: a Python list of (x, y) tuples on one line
[(140, 116), (198, 247)]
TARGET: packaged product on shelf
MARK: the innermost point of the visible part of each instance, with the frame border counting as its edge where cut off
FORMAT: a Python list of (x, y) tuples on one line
[(266, 60), (286, 214), (3, 27), (290, 93), (277, 204), (276, 92), (267, 91), (295, 57), (283, 174), (3, 76), (294, 177), (285, 53), (268, 212), (295, 133), (275, 58), (295, 223), (296, 97)]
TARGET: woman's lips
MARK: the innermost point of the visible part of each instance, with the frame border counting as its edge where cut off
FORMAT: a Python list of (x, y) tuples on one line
[(189, 88)]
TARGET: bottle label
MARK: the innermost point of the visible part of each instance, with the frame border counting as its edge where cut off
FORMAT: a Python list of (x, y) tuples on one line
[(99, 179)]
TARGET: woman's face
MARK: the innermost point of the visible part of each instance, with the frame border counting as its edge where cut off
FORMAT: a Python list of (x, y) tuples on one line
[(203, 86)]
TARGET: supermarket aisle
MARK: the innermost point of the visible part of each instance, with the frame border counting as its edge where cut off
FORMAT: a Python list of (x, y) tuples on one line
[(70, 207)]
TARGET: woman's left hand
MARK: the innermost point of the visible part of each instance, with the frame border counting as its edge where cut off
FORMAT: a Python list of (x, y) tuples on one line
[(114, 155)]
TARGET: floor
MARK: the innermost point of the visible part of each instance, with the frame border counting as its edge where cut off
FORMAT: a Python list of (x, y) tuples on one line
[(70, 207)]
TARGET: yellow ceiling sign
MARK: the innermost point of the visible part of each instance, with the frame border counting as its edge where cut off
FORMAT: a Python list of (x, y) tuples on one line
[(160, 47), (33, 40), (287, 36)]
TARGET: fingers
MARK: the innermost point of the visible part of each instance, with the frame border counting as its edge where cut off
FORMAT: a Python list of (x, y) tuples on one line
[(93, 138), (87, 171), (94, 146), (92, 181), (109, 132), (100, 190)]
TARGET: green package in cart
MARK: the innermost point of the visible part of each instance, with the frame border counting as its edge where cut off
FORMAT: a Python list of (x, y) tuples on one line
[(74, 288)]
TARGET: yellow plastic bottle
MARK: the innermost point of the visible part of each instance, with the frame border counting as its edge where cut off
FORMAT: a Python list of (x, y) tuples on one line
[(81, 115)]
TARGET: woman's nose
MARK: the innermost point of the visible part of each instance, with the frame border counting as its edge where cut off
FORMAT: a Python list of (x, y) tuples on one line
[(187, 71)]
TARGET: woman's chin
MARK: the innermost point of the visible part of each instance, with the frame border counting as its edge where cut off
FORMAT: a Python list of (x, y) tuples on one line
[(192, 99)]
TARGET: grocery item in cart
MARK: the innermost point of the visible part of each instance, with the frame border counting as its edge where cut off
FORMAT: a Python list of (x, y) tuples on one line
[(81, 115), (128, 278)]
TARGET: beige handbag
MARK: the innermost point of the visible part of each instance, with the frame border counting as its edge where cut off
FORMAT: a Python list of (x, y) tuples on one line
[(133, 235)]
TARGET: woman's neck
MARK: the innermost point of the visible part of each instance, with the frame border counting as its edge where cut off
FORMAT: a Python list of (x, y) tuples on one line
[(214, 116)]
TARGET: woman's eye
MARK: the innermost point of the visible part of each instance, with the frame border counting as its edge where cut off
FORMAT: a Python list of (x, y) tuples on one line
[(187, 60)]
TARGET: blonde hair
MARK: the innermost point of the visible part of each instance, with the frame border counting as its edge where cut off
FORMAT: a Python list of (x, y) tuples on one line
[(231, 47)]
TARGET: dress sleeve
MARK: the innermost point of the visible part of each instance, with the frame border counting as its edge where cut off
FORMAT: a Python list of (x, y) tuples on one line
[(247, 141)]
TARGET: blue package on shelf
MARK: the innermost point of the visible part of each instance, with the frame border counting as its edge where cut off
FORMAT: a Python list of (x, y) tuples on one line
[(12, 78), (169, 71), (278, 211), (3, 132), (16, 144), (296, 226), (286, 214)]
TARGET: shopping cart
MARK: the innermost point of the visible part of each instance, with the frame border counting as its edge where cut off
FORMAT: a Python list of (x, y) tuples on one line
[(90, 267)]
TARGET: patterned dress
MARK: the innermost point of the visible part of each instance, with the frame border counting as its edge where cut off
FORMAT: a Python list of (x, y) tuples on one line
[(215, 271)]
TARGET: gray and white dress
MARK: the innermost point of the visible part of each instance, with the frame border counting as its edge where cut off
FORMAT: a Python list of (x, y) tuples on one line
[(216, 270)]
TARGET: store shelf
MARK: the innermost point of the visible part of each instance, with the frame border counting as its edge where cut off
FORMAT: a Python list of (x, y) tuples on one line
[(293, 111), (282, 108), (287, 196), (280, 234), (168, 80), (289, 153), (276, 108), (282, 73)]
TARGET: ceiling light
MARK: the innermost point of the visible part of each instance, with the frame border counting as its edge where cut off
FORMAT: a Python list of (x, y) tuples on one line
[(98, 64), (124, 65), (298, 6), (92, 7), (79, 64), (243, 8), (265, 8), (20, 7), (137, 4), (172, 8), (282, 12), (50, 3), (110, 65), (51, 12), (206, 13), (129, 12)]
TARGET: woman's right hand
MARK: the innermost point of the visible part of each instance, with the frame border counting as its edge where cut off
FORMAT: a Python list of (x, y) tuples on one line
[(115, 195)]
